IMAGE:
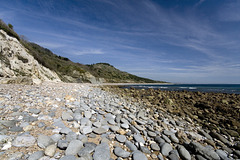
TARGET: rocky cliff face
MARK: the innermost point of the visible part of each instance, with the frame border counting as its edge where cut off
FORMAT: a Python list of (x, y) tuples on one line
[(18, 66)]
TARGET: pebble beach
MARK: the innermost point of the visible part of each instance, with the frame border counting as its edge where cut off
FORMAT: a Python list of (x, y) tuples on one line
[(66, 121)]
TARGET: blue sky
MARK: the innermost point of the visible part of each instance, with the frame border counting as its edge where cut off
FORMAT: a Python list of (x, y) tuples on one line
[(185, 41)]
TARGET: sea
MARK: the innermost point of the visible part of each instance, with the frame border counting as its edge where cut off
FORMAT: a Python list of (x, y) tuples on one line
[(216, 88)]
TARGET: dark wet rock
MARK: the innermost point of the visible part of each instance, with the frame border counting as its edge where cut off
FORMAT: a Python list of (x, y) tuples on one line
[(206, 152), (220, 137), (184, 154)]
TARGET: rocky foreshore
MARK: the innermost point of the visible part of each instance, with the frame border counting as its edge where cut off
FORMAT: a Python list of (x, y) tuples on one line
[(79, 121)]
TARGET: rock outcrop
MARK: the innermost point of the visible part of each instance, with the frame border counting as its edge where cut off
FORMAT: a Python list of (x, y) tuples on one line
[(17, 65)]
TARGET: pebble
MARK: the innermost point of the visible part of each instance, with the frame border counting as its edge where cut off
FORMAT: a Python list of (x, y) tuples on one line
[(102, 152), (121, 153), (78, 113), (74, 147), (24, 141), (121, 138), (50, 150), (137, 155)]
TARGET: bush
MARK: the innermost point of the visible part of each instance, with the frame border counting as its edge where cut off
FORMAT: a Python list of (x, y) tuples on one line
[(8, 29)]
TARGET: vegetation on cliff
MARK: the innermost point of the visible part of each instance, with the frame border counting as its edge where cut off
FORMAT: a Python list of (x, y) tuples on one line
[(69, 71)]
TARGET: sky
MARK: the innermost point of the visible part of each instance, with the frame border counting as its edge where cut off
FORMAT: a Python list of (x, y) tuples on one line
[(180, 41)]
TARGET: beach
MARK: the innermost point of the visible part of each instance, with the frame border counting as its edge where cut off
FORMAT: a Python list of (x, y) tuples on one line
[(84, 121)]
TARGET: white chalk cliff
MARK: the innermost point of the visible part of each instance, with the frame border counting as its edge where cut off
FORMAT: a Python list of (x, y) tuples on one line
[(16, 63)]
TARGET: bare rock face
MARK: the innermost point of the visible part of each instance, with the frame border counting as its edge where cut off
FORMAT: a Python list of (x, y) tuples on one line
[(17, 65)]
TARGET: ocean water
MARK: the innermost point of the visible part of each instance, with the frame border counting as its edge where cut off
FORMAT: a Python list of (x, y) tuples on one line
[(217, 88)]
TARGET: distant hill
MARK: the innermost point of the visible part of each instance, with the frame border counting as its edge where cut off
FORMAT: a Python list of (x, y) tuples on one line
[(69, 71)]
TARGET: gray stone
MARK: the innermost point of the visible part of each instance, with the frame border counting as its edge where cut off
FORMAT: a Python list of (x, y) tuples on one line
[(87, 130), (41, 124), (121, 153), (6, 123), (74, 147), (184, 154), (222, 154), (65, 130), (206, 152), (174, 138), (139, 127), (125, 126), (50, 150), (86, 150), (77, 116), (62, 144), (111, 121), (59, 124), (130, 145), (83, 138), (16, 156), (16, 129), (36, 155), (34, 110), (138, 138), (137, 155), (145, 149), (56, 137), (68, 157), (99, 130), (133, 129), (97, 124), (114, 128), (24, 141), (160, 157), (220, 137), (102, 152), (71, 136), (155, 147), (173, 156), (121, 138), (44, 141), (66, 116), (159, 140), (88, 114), (151, 134), (166, 138), (166, 148)]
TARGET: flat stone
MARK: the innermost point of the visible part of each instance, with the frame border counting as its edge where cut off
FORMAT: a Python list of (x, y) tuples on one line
[(68, 157), (34, 110), (114, 128), (137, 155), (65, 130), (74, 147), (62, 144), (102, 152), (121, 138), (174, 138), (121, 153), (138, 138), (71, 136), (66, 116), (36, 155), (97, 124), (59, 124), (155, 147), (166, 138), (130, 145), (145, 149), (24, 141), (56, 137), (86, 150), (184, 154), (44, 141), (41, 124), (88, 114), (151, 134), (166, 149), (173, 156), (6, 123), (50, 150), (16, 129), (87, 130), (99, 130)]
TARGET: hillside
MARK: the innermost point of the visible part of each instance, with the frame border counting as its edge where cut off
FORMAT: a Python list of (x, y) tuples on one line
[(67, 70)]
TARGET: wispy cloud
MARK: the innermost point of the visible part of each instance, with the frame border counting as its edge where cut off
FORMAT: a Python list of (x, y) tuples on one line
[(87, 51)]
